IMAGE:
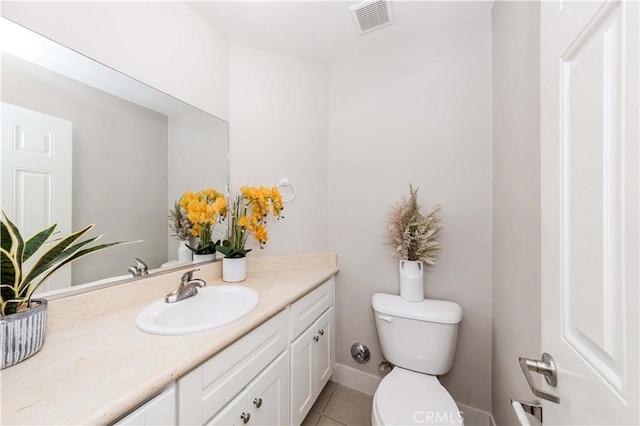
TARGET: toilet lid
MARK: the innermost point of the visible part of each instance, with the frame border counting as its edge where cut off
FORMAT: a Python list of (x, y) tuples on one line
[(405, 398)]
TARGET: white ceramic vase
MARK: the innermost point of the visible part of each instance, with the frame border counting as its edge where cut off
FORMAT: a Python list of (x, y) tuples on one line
[(411, 280), (234, 269), (184, 254), (197, 258)]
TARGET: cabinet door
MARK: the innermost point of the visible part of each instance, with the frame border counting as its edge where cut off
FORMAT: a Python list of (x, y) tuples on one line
[(133, 419), (234, 413), (303, 375), (161, 410), (268, 394), (325, 346)]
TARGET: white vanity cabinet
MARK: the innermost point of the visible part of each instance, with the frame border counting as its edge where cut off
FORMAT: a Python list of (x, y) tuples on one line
[(270, 376), (312, 351), (222, 390), (161, 410)]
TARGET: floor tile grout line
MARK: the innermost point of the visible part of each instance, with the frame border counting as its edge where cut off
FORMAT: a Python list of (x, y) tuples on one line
[(331, 418), (333, 394), (333, 391)]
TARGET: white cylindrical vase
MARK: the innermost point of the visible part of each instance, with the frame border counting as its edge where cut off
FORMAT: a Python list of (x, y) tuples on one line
[(197, 258), (411, 281), (234, 269), (184, 254)]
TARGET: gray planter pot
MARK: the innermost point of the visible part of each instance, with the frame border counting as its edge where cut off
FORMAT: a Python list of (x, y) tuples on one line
[(22, 334)]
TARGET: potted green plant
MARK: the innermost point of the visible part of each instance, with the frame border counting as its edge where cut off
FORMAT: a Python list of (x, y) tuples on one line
[(23, 319), (248, 215)]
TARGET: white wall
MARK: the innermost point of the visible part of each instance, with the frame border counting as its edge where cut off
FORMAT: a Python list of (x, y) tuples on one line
[(516, 200), (418, 113), (164, 44), (278, 115)]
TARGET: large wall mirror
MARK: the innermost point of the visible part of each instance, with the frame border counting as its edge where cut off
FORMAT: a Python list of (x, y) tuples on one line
[(103, 149)]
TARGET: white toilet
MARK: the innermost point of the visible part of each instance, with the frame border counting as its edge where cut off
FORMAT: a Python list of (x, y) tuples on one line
[(419, 338)]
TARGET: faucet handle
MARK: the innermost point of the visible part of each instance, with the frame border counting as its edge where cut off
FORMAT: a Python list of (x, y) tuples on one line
[(188, 276), (141, 266)]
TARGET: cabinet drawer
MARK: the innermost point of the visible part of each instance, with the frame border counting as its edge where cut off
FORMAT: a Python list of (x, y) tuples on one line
[(306, 310), (207, 389)]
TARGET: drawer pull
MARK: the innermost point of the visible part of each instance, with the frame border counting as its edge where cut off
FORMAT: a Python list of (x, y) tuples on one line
[(257, 402), (245, 417), (316, 338), (321, 332)]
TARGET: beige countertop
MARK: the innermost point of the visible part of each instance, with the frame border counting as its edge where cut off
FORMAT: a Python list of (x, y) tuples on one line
[(95, 365)]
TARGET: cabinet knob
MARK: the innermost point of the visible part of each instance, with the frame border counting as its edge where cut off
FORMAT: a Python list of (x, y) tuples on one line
[(321, 332), (245, 417), (257, 402), (316, 338)]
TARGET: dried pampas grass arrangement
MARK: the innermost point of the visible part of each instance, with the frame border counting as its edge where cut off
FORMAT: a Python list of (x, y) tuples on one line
[(412, 235)]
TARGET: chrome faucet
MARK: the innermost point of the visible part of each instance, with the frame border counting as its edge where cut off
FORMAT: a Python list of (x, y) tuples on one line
[(140, 269), (188, 287)]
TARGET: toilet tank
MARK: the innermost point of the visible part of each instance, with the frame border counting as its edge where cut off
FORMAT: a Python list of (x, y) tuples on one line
[(418, 336)]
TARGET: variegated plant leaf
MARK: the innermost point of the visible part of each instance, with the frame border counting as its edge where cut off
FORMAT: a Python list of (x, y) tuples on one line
[(41, 265)]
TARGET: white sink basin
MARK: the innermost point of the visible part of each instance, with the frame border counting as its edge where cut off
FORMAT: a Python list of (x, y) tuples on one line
[(212, 307)]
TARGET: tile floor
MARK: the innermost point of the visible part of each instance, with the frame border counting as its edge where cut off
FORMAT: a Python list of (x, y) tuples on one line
[(339, 405)]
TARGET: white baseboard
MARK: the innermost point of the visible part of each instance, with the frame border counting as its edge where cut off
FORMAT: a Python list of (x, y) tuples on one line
[(355, 379), (368, 383)]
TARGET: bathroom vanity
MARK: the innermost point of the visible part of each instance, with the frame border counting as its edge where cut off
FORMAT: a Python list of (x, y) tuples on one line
[(268, 367)]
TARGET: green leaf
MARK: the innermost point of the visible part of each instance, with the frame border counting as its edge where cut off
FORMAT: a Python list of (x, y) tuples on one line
[(17, 247), (10, 275), (9, 269), (24, 289), (76, 256), (224, 249), (35, 242), (45, 261), (5, 236), (231, 252)]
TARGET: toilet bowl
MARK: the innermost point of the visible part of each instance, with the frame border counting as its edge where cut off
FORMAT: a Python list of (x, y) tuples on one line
[(408, 398), (419, 338)]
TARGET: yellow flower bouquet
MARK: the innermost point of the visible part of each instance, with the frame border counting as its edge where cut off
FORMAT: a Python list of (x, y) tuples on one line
[(248, 215), (204, 209)]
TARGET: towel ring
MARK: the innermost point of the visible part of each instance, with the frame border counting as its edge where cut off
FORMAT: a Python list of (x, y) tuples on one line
[(287, 190)]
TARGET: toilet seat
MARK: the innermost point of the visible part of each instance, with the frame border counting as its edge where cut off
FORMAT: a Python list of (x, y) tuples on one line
[(408, 398)]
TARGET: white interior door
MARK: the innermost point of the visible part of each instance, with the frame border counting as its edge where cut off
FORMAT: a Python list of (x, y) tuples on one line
[(36, 175), (590, 216)]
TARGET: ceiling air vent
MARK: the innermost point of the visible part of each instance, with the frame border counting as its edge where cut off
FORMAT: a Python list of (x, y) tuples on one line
[(371, 15)]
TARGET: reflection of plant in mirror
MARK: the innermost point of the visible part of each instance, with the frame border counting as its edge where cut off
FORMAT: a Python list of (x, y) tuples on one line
[(248, 213), (179, 223), (204, 209), (19, 285)]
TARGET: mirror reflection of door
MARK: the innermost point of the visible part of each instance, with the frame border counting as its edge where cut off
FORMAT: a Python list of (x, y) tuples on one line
[(36, 176)]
